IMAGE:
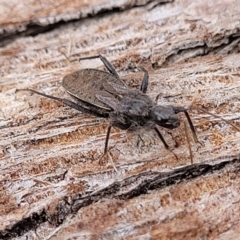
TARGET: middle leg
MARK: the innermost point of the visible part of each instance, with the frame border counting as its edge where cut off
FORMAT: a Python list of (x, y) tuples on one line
[(108, 65), (117, 124), (144, 84)]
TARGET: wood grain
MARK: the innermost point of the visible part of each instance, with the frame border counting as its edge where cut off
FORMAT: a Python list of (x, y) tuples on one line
[(52, 185)]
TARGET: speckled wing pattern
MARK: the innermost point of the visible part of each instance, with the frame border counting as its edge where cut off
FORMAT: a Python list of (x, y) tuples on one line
[(88, 84)]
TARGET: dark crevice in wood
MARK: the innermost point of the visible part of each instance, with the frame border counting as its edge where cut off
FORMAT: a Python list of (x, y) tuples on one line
[(147, 181), (204, 49), (33, 29), (24, 226)]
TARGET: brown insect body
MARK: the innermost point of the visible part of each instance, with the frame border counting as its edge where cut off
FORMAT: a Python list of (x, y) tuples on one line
[(104, 94)]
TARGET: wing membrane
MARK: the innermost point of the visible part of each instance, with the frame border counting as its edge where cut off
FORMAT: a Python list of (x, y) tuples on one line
[(87, 84)]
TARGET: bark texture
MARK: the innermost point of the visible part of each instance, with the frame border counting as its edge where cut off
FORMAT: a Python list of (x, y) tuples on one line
[(52, 185)]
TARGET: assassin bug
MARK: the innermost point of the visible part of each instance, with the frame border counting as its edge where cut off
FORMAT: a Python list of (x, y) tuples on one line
[(104, 94)]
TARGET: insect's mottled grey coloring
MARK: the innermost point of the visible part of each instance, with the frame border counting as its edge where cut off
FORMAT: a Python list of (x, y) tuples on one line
[(104, 94)]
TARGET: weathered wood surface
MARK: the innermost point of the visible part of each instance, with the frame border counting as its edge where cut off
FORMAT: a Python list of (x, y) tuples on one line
[(51, 184)]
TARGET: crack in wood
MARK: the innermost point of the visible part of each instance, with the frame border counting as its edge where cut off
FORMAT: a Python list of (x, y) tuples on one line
[(33, 28), (202, 50), (147, 181)]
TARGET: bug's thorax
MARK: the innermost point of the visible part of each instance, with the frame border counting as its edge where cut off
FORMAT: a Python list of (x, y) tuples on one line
[(165, 116), (135, 103), (134, 108)]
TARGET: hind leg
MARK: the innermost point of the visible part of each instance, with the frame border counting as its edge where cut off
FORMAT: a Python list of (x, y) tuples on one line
[(69, 103)]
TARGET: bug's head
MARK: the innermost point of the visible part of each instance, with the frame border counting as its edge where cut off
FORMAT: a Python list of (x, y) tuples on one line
[(164, 116)]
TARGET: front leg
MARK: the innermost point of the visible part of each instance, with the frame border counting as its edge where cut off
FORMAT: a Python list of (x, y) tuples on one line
[(182, 109), (164, 142), (161, 137)]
